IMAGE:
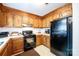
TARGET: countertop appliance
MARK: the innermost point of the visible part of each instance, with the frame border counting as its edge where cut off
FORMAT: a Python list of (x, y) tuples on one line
[(29, 40), (61, 36)]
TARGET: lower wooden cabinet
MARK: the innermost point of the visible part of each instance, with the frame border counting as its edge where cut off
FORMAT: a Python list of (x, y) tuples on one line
[(43, 40), (7, 49), (18, 45), (13, 46), (38, 40), (5, 52), (46, 41)]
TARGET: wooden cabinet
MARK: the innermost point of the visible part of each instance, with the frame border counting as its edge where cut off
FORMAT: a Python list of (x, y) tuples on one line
[(30, 20), (38, 23), (43, 40), (18, 44), (17, 21), (10, 20), (46, 23), (35, 23), (38, 40), (7, 49), (25, 20), (13, 46), (46, 41), (2, 19), (5, 52)]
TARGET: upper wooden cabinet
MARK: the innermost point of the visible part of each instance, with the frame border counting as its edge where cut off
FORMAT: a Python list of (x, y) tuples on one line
[(2, 19), (30, 21), (46, 23), (35, 23), (17, 21), (25, 20), (38, 23), (10, 20)]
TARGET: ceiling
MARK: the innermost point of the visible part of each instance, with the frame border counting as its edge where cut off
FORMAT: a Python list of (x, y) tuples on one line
[(39, 9)]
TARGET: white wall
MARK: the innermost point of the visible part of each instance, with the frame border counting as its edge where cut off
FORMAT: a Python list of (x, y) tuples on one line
[(75, 29)]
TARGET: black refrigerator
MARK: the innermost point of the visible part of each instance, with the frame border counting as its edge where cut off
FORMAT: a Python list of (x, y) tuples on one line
[(61, 36)]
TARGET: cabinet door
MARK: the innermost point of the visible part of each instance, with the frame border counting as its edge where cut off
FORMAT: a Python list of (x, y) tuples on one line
[(44, 23), (38, 40), (48, 41), (17, 45), (40, 22), (9, 48), (17, 21), (48, 24), (44, 40), (30, 21), (2, 19), (5, 53), (10, 20), (35, 23), (25, 20)]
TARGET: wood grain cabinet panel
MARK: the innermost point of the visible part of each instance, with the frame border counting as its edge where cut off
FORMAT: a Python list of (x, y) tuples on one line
[(44, 23), (30, 20), (40, 22), (25, 20), (10, 18), (35, 23), (18, 45), (46, 41), (7, 49), (2, 19), (38, 40), (17, 21), (5, 52)]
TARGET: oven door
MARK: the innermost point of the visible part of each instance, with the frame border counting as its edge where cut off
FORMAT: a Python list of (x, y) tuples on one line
[(29, 43)]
